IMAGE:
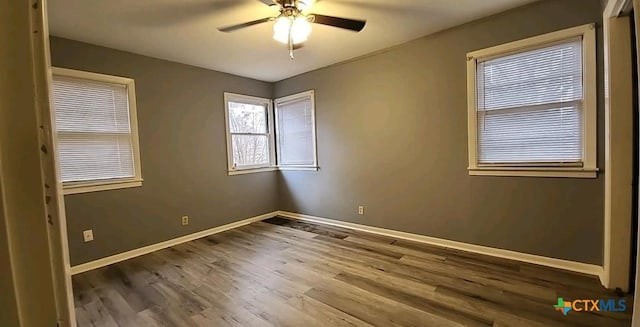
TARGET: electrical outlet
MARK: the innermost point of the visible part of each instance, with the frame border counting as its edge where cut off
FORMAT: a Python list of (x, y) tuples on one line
[(361, 210), (185, 220), (88, 235)]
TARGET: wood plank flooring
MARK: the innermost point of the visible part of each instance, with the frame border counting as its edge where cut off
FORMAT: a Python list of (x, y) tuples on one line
[(289, 273)]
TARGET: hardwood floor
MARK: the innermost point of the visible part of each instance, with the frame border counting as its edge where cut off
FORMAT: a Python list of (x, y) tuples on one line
[(288, 273)]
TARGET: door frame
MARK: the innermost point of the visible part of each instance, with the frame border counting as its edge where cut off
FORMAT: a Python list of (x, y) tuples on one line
[(50, 190), (636, 304), (49, 167), (34, 255), (618, 172)]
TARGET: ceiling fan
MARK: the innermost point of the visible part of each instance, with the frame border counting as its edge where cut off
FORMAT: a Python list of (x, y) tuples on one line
[(293, 25)]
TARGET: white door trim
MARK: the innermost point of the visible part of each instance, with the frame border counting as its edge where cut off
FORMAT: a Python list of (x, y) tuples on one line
[(618, 172), (636, 305), (52, 188), (57, 227), (29, 193)]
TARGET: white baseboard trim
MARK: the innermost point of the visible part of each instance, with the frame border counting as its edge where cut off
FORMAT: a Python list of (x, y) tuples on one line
[(163, 245), (580, 267), (501, 253)]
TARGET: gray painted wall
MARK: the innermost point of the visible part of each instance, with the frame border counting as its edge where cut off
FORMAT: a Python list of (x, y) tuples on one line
[(183, 150), (392, 136)]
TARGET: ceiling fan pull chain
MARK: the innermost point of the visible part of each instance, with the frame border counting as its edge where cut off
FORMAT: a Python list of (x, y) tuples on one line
[(291, 41)]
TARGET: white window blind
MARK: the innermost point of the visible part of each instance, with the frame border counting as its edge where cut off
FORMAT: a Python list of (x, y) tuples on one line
[(530, 106), (93, 130), (296, 130)]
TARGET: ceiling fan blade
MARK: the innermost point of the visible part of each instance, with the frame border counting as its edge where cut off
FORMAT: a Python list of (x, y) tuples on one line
[(346, 23), (298, 46), (232, 28)]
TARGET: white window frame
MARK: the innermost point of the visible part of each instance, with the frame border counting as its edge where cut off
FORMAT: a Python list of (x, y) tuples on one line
[(589, 133), (241, 98), (108, 184), (294, 97)]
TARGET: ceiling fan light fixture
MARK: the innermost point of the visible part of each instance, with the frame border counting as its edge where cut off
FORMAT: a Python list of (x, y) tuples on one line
[(281, 29), (293, 25), (300, 29), (297, 28)]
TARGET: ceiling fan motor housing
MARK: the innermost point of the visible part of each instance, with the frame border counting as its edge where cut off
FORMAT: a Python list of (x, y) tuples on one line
[(295, 5)]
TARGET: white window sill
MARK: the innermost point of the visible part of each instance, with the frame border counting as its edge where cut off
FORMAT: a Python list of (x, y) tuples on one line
[(251, 170), (265, 169), (569, 172), (303, 168), (100, 186)]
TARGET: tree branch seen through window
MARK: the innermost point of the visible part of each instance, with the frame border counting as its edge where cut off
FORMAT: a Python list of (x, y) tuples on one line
[(249, 132)]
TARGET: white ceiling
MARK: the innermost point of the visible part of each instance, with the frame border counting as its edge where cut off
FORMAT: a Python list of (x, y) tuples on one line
[(185, 30)]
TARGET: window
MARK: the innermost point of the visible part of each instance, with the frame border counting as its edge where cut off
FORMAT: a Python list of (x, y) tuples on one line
[(532, 106), (96, 131), (296, 131), (249, 134)]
